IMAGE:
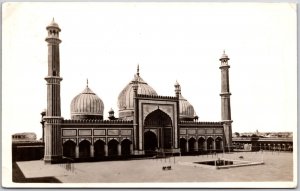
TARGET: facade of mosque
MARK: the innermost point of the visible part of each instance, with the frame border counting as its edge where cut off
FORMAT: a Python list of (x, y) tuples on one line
[(147, 122)]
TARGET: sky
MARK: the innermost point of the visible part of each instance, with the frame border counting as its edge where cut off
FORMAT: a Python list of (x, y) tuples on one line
[(105, 42)]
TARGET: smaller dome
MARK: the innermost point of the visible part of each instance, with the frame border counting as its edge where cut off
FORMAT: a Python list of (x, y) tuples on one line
[(87, 105), (53, 24), (111, 111), (186, 110), (224, 56)]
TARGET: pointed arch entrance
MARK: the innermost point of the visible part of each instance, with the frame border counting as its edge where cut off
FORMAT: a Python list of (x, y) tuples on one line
[(113, 147), (219, 144), (69, 149), (210, 142), (125, 147), (84, 149), (99, 148), (182, 143), (161, 123), (191, 143)]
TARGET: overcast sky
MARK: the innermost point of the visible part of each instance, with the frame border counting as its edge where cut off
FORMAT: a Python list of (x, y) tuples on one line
[(104, 42)]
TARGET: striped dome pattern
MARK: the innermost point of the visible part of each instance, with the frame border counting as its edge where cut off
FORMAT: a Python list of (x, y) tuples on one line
[(125, 99), (87, 104), (186, 110)]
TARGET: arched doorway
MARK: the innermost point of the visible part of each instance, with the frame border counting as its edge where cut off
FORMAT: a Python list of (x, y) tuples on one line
[(150, 141), (210, 142), (99, 148), (182, 145), (69, 149), (162, 123), (219, 143), (125, 147), (201, 146), (113, 147), (84, 149), (192, 142)]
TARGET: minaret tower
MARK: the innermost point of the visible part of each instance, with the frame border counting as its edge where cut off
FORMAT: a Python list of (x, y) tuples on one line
[(136, 145), (225, 100), (53, 119)]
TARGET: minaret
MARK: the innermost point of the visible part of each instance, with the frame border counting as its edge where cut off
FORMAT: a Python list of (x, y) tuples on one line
[(136, 145), (53, 119), (225, 99)]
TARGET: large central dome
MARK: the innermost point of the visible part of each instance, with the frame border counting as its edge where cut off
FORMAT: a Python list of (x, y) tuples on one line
[(125, 99)]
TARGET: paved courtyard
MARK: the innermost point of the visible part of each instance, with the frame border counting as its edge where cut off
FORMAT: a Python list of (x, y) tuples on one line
[(278, 167)]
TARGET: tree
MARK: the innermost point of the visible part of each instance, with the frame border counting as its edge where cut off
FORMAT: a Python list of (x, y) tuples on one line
[(236, 134)]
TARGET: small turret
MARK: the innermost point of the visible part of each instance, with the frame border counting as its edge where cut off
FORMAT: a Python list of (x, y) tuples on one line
[(111, 114), (177, 89), (224, 59)]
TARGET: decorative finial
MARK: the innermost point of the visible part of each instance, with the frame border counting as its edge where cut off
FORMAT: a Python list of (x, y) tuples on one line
[(138, 70), (87, 82), (224, 51), (53, 19)]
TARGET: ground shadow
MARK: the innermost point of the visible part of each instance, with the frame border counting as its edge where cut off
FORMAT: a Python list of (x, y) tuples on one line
[(18, 177)]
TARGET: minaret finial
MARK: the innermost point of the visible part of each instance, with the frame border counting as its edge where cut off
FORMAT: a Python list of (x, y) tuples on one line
[(224, 51), (87, 82), (177, 89), (138, 70)]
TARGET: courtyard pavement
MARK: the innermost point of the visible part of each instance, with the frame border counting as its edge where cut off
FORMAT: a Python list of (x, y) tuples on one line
[(278, 167)]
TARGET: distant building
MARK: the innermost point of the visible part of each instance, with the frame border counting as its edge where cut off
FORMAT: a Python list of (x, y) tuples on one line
[(26, 147), (24, 136), (263, 143), (147, 121), (266, 134)]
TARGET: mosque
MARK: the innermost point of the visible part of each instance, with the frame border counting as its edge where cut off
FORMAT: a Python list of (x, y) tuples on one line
[(147, 122)]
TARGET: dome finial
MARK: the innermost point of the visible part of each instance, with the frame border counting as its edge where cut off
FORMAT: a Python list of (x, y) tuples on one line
[(138, 70), (87, 82)]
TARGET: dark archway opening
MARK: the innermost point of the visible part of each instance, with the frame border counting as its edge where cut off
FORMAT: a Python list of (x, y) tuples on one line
[(210, 144), (183, 145), (150, 142), (69, 149), (218, 143), (99, 149), (125, 145), (192, 145), (201, 146), (84, 149), (113, 147)]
